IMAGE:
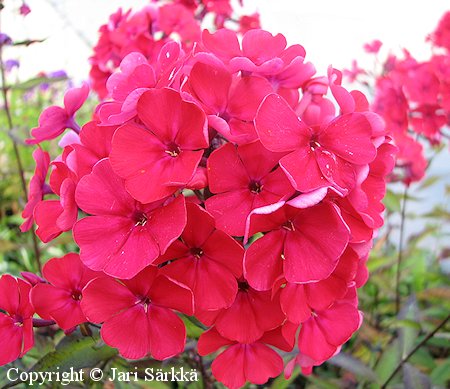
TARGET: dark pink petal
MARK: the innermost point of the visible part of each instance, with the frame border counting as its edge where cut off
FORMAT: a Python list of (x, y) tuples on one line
[(294, 303), (69, 213), (312, 341), (349, 136), (116, 332), (210, 85), (223, 43), (221, 177), (261, 46), (37, 187), (211, 341), (57, 304), (74, 98), (9, 296), (104, 297), (103, 192), (168, 293), (302, 169), (10, 341), (65, 272), (246, 96), (263, 263), (313, 249), (229, 366), (261, 363), (52, 123), (230, 210), (166, 332), (167, 223), (45, 214), (165, 114), (199, 226), (224, 250), (278, 126)]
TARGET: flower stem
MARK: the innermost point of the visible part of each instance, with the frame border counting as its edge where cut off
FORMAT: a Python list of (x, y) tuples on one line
[(400, 249), (4, 92), (414, 350)]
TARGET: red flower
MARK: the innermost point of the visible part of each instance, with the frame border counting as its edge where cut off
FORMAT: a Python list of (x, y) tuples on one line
[(206, 260), (318, 156), (136, 234), (373, 47), (232, 106), (326, 330), (60, 298), (54, 120), (16, 323), (261, 53), (246, 319), (137, 314), (253, 182), (166, 151), (303, 245), (240, 362), (38, 187)]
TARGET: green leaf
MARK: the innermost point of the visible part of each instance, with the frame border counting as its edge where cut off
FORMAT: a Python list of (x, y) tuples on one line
[(392, 201), (408, 333), (414, 379), (33, 82), (193, 331), (354, 366), (441, 374), (429, 181), (388, 361), (282, 383), (75, 351)]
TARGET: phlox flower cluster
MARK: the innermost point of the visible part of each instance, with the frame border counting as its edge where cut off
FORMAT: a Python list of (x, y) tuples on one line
[(147, 30), (227, 182), (413, 97)]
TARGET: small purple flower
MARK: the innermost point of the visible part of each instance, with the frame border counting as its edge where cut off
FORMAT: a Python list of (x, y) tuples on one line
[(5, 39), (10, 64)]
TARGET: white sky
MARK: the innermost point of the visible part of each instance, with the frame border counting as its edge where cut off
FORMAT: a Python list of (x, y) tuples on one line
[(332, 31)]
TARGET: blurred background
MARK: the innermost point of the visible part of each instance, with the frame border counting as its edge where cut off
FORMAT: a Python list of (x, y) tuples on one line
[(332, 32)]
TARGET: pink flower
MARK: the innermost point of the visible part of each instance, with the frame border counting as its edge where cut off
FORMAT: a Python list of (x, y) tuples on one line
[(233, 105), (319, 156), (253, 182), (16, 323), (24, 9), (137, 233), (441, 35), (246, 319), (58, 215), (262, 54), (54, 120), (373, 47), (326, 330), (206, 260), (241, 362), (303, 245), (60, 299), (137, 313), (37, 189), (249, 22), (166, 151)]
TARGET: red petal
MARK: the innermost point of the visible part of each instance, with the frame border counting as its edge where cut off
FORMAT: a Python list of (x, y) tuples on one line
[(166, 332), (167, 293), (104, 297), (261, 363), (263, 264), (278, 126), (229, 366), (349, 136)]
